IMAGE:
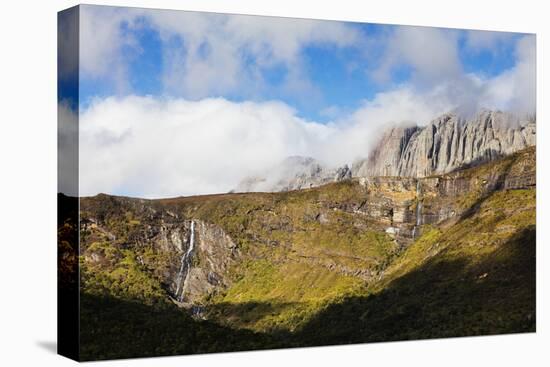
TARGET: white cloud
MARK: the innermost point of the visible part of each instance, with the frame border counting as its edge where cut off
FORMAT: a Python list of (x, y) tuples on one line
[(477, 40), (354, 136), (150, 147), (515, 89), (103, 43), (430, 52), (67, 155)]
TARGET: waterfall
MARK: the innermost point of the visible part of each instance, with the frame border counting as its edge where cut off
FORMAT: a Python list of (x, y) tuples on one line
[(419, 213), (186, 263)]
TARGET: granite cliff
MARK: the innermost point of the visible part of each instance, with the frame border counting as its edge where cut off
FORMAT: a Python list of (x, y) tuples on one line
[(447, 143)]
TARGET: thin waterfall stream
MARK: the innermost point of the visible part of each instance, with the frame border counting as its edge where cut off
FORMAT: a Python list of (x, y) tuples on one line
[(185, 267)]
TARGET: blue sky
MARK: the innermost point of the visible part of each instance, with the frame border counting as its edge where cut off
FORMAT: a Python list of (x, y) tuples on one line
[(183, 103)]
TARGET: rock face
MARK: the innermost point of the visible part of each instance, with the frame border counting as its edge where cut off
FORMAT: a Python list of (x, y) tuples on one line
[(215, 252), (387, 154), (190, 257), (446, 144), (294, 173)]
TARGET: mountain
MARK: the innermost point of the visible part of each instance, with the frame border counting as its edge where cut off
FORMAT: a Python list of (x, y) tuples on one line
[(446, 144), (294, 173), (360, 260)]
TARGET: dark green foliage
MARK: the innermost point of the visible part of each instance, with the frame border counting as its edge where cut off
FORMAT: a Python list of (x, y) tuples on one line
[(115, 328), (442, 298)]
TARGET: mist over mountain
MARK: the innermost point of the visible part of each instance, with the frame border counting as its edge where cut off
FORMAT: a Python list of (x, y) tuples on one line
[(294, 173)]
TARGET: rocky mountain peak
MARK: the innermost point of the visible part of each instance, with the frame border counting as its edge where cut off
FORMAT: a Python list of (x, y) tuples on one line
[(447, 143)]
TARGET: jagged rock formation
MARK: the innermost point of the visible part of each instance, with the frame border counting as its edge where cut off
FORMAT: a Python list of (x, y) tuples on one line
[(446, 144), (387, 154), (294, 173)]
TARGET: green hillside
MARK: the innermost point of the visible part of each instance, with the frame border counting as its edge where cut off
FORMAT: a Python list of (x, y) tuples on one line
[(311, 267)]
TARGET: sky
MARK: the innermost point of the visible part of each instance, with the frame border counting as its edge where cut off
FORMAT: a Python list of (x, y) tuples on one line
[(181, 103)]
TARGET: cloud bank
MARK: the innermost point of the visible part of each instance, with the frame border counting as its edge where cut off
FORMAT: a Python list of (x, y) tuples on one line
[(433, 57), (149, 147)]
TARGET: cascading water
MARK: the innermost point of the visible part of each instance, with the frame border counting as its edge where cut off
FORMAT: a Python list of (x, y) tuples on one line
[(419, 213), (186, 264), (418, 210)]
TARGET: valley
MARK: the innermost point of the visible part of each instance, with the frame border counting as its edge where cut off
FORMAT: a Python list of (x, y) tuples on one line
[(358, 260)]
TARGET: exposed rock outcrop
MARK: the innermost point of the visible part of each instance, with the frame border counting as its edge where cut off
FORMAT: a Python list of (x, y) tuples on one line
[(215, 252), (446, 144), (387, 154), (403, 204)]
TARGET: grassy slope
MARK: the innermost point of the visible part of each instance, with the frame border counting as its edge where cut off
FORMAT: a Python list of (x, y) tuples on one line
[(476, 277), (289, 257), (279, 292)]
